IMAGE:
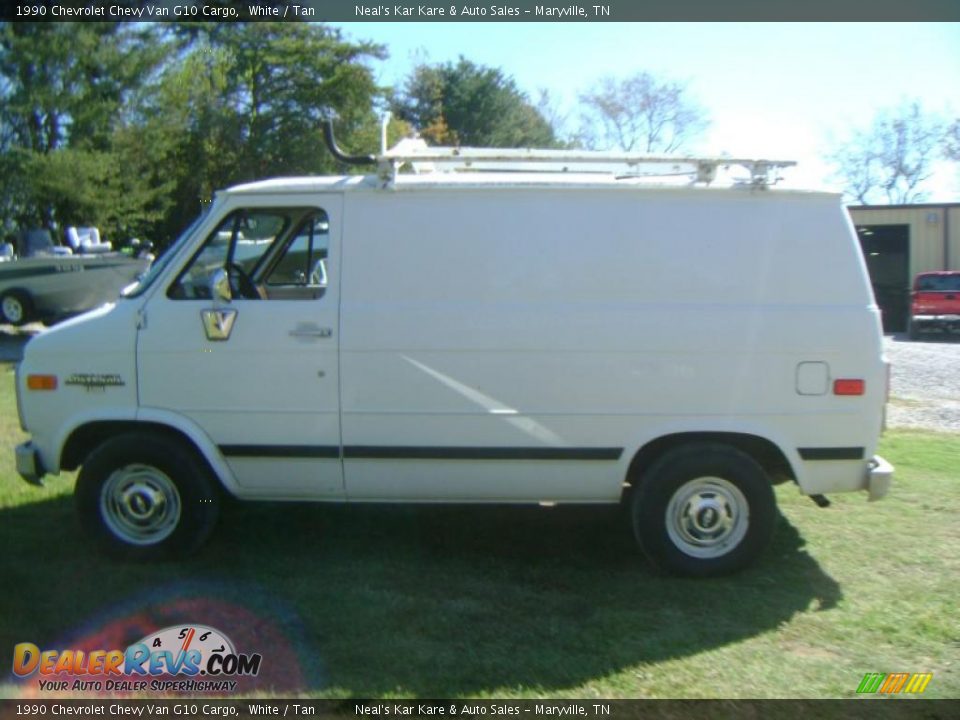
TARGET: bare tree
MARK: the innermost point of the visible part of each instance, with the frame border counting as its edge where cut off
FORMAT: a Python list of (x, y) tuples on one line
[(951, 142), (892, 158), (640, 113), (550, 110)]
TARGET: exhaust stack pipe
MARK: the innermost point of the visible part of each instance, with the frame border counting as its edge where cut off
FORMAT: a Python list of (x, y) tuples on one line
[(338, 153)]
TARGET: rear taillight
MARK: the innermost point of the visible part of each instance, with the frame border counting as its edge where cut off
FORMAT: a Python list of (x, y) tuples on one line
[(849, 386)]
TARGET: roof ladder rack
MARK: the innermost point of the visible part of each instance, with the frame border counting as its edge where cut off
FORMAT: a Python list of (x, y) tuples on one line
[(423, 158)]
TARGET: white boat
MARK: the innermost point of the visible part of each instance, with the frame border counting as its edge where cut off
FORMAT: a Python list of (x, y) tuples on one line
[(49, 282)]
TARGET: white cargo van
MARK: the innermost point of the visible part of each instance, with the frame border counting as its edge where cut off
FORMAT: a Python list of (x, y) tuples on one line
[(477, 336)]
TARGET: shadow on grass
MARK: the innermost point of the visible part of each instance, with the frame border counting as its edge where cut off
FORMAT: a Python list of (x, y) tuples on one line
[(363, 601)]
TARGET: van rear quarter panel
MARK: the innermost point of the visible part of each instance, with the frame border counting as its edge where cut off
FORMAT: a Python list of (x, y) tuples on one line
[(584, 318)]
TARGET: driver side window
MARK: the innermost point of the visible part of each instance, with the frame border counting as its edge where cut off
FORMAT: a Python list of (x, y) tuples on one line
[(239, 245), (299, 270)]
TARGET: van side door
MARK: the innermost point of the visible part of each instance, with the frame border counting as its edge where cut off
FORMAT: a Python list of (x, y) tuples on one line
[(242, 342)]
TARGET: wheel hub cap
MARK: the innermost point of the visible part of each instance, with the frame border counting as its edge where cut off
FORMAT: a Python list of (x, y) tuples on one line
[(707, 517), (140, 504), (12, 310)]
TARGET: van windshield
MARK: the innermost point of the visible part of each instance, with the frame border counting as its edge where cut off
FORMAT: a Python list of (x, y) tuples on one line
[(137, 288)]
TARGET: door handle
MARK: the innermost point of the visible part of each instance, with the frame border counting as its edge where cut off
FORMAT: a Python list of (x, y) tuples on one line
[(310, 330)]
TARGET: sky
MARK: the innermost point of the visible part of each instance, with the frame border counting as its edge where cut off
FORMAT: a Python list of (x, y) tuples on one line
[(785, 91)]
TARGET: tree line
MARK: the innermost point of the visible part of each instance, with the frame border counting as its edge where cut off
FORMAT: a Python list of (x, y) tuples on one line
[(132, 127)]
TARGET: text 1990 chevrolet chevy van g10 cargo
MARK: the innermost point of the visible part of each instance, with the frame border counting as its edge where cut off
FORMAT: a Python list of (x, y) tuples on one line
[(508, 337)]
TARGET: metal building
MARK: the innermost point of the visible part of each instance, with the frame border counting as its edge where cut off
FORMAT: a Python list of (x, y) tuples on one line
[(900, 241)]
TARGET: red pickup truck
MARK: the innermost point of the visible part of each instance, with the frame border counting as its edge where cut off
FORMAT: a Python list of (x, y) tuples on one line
[(935, 303)]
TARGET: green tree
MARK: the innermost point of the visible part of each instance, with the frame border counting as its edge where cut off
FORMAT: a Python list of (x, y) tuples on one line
[(65, 93), (279, 82), (193, 133), (247, 101), (133, 127), (471, 105)]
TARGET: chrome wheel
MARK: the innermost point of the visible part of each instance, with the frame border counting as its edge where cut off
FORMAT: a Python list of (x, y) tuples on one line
[(707, 517), (140, 504)]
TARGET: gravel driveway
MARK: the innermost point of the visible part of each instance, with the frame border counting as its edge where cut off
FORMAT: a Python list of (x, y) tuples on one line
[(924, 390), (924, 383)]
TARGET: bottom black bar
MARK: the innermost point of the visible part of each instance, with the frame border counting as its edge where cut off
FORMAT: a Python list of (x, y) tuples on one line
[(860, 708)]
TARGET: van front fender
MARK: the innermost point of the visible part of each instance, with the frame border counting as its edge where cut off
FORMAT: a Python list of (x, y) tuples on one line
[(90, 430), (201, 441)]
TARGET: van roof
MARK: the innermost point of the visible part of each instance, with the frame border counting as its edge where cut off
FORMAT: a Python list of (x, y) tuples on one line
[(412, 164), (489, 180)]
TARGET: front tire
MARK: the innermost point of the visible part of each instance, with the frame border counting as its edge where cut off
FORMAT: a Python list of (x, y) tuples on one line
[(703, 510), (146, 497)]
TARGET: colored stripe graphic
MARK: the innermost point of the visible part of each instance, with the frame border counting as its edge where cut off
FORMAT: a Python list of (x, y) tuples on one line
[(918, 683), (892, 683), (871, 682)]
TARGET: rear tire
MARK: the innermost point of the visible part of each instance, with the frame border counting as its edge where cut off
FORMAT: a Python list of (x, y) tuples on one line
[(703, 510), (16, 307), (146, 497)]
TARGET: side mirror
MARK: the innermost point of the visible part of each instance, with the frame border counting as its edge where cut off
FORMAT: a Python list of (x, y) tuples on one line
[(220, 286)]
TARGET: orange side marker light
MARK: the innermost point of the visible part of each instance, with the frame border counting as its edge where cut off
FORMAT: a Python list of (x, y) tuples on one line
[(41, 382)]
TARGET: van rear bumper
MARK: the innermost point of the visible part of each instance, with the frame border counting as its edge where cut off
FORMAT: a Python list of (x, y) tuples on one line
[(879, 477), (828, 476)]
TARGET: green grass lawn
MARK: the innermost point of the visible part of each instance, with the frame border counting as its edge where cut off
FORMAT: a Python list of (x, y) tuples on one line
[(520, 602)]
